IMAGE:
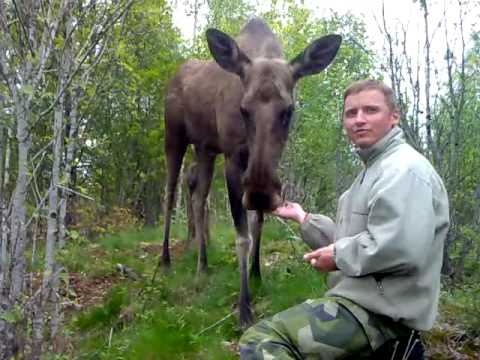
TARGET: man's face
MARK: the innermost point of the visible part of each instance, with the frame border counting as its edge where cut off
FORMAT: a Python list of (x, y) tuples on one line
[(367, 117)]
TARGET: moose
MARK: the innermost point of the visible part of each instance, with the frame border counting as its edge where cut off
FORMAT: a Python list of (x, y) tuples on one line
[(239, 105)]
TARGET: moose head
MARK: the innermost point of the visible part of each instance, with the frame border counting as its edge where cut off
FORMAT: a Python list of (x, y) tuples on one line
[(267, 106)]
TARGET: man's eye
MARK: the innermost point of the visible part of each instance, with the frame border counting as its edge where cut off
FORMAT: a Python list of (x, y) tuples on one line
[(350, 113), (371, 109)]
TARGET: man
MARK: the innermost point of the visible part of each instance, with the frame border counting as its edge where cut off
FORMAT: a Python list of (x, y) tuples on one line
[(384, 253)]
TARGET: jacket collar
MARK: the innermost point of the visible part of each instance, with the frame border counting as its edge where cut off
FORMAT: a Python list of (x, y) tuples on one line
[(393, 138)]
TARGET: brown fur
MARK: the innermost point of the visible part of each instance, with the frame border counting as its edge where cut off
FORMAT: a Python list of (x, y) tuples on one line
[(239, 105)]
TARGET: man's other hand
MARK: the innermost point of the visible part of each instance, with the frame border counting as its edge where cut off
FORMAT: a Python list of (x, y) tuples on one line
[(322, 259)]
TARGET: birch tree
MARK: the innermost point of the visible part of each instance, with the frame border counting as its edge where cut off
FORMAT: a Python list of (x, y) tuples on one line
[(432, 96), (5, 153), (29, 38), (25, 46)]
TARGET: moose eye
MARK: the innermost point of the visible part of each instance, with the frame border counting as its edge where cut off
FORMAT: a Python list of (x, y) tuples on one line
[(286, 116), (245, 113)]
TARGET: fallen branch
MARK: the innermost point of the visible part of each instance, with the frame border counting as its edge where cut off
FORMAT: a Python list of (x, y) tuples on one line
[(75, 192), (110, 337), (217, 323)]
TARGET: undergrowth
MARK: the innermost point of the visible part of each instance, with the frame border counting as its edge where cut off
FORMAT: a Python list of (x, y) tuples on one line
[(183, 315), (456, 334)]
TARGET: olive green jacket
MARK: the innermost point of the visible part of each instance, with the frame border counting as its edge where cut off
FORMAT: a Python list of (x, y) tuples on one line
[(389, 234)]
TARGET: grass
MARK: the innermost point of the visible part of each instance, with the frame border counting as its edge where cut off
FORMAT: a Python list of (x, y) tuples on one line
[(457, 332), (185, 316), (173, 318)]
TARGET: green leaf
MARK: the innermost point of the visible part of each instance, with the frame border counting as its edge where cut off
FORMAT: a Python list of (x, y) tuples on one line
[(27, 89), (74, 235), (12, 316)]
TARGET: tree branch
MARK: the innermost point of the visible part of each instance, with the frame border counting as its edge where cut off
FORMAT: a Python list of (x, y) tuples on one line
[(83, 59)]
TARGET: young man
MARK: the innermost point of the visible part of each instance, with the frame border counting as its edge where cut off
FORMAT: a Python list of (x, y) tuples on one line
[(384, 253)]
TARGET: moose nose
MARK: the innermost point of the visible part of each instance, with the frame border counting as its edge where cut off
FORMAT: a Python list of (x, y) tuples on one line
[(261, 200)]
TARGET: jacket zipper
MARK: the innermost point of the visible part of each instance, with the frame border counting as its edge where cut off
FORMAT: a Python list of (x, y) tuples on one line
[(380, 287), (363, 175)]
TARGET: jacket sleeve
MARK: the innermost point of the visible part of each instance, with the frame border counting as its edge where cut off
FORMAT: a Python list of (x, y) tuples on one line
[(317, 231), (400, 228)]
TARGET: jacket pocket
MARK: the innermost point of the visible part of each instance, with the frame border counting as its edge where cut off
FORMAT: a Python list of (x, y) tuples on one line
[(360, 211)]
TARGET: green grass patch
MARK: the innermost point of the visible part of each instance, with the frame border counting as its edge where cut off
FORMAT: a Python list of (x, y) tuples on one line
[(188, 316), (178, 317), (463, 303), (457, 329)]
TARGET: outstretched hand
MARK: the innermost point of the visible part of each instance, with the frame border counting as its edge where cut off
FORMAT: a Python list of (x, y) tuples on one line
[(292, 211), (322, 259)]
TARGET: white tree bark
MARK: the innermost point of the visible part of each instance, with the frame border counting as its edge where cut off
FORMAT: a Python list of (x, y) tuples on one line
[(4, 180), (69, 160), (17, 239)]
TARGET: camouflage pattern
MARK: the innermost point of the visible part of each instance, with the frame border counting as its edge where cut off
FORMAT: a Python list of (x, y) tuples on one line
[(326, 328)]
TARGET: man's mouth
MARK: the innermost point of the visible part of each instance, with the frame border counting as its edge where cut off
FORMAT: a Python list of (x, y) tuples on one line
[(361, 131)]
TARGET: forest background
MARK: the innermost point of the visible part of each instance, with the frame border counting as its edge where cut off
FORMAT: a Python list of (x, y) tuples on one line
[(82, 86)]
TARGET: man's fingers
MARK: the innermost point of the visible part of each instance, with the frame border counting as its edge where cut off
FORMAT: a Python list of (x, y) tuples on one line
[(317, 264), (313, 254)]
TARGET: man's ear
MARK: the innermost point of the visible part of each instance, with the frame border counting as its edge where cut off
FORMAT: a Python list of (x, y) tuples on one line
[(316, 56), (226, 52), (396, 117)]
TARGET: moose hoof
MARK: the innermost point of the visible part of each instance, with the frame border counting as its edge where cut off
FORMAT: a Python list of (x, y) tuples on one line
[(255, 274), (246, 318), (165, 261)]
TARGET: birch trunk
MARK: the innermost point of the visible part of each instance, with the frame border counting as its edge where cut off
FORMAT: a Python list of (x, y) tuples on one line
[(428, 111), (456, 85), (69, 159), (50, 300), (49, 281), (17, 239), (4, 178)]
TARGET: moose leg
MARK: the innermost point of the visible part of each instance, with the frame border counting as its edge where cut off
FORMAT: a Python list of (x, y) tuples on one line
[(204, 174), (255, 222), (243, 242), (206, 228), (175, 150), (191, 184)]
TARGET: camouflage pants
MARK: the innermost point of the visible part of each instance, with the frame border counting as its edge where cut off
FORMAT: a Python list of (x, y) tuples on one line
[(327, 328)]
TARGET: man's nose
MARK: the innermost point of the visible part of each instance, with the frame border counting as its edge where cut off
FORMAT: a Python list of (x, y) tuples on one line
[(359, 117)]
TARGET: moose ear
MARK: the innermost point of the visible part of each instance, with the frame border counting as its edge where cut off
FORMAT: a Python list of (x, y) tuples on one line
[(316, 57), (226, 52)]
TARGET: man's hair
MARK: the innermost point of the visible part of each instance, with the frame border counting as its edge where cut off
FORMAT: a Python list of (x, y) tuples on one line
[(371, 84)]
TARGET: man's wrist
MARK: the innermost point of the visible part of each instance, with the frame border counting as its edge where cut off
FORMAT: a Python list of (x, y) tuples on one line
[(334, 250), (303, 217)]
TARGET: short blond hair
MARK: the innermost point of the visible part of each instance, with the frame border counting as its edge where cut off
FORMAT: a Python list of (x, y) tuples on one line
[(370, 84)]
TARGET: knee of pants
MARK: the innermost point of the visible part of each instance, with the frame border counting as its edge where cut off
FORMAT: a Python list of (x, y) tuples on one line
[(319, 328), (264, 341), (257, 333)]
